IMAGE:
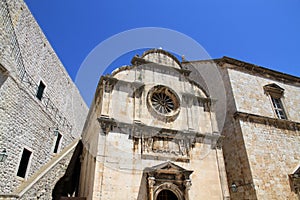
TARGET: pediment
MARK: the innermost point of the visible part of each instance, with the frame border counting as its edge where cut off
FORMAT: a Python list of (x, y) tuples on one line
[(169, 168), (273, 86), (274, 89)]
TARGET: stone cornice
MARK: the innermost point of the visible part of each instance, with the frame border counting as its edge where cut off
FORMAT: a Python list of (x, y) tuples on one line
[(252, 69), (275, 122), (142, 130), (185, 72), (258, 70)]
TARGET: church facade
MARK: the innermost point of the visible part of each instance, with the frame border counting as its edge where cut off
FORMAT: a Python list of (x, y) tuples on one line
[(156, 130), (154, 121), (151, 133)]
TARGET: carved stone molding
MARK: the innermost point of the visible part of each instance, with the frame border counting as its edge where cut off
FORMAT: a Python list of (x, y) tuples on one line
[(171, 177), (277, 123)]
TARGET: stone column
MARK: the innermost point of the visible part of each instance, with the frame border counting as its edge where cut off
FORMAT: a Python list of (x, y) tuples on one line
[(222, 173), (151, 182), (187, 183)]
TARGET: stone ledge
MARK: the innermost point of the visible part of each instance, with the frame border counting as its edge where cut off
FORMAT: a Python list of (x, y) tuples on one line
[(278, 123)]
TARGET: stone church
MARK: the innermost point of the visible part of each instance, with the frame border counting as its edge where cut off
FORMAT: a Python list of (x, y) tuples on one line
[(152, 133), (156, 130)]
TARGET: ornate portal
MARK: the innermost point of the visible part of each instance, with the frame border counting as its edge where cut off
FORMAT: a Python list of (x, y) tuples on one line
[(168, 181)]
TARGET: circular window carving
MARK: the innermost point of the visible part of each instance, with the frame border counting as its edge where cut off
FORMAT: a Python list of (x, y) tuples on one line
[(163, 103)]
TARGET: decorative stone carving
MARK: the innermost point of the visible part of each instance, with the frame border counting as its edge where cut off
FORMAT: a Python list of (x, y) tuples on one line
[(163, 103), (187, 183), (151, 182), (169, 176), (166, 146)]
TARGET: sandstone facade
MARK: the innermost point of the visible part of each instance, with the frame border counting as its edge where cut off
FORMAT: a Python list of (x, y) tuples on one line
[(157, 128), (260, 149), (136, 150)]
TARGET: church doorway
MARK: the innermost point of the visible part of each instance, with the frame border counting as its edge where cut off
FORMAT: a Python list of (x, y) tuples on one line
[(166, 195)]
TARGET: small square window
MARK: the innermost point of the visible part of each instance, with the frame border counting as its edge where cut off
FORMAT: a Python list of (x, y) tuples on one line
[(23, 166), (40, 90)]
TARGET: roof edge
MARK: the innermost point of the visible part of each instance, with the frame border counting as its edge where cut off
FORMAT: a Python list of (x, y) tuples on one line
[(252, 68)]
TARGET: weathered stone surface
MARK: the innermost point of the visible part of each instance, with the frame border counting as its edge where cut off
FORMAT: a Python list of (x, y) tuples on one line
[(125, 135), (259, 151), (26, 58)]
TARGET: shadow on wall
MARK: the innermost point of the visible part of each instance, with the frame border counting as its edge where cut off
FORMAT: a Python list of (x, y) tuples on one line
[(3, 78), (68, 184), (143, 187)]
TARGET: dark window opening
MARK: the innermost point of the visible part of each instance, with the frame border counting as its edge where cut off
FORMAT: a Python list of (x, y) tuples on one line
[(57, 142), (278, 107), (24, 163), (40, 90), (166, 195)]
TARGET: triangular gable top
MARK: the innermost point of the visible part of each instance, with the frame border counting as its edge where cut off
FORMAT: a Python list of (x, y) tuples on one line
[(274, 89), (275, 86), (168, 167)]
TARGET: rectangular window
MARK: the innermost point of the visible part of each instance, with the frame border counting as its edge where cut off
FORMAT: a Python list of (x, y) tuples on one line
[(57, 142), (278, 107), (24, 163), (40, 90)]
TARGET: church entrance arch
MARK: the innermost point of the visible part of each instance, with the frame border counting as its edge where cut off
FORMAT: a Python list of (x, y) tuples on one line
[(166, 195), (168, 181), (168, 191)]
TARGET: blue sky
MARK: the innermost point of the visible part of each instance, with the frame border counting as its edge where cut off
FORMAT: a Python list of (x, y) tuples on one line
[(265, 33)]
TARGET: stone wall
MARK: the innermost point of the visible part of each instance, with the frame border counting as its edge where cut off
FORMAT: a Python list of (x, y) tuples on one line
[(260, 150), (41, 185), (42, 189), (26, 121), (42, 64), (250, 96), (236, 160), (273, 153)]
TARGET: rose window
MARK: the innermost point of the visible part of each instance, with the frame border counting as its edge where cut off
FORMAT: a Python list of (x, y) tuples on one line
[(163, 102)]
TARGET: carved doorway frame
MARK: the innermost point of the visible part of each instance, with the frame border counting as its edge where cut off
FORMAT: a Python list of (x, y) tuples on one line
[(168, 176)]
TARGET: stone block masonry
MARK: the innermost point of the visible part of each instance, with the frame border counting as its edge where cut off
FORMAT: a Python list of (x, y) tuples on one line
[(27, 122)]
